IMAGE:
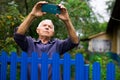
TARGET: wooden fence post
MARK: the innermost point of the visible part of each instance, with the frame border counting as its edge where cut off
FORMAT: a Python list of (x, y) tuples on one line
[(13, 68), (110, 75), (55, 67), (34, 67), (44, 67), (79, 67), (24, 64), (96, 74), (3, 66), (86, 72), (66, 67)]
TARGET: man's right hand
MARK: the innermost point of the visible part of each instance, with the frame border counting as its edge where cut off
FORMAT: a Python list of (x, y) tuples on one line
[(36, 11)]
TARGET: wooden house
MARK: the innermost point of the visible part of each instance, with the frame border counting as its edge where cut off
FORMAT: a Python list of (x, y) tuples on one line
[(100, 42), (113, 28), (109, 40)]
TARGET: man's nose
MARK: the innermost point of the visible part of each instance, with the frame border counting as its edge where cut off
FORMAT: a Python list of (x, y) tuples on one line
[(47, 27)]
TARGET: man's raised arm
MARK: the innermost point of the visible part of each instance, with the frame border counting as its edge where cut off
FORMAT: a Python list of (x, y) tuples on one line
[(36, 12), (64, 16)]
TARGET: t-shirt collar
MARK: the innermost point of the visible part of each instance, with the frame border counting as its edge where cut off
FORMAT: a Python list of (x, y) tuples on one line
[(50, 41)]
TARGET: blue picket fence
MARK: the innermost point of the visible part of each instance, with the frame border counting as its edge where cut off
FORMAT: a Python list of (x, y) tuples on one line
[(81, 69)]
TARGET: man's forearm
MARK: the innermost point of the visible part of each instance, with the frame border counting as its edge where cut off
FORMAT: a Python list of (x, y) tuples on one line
[(25, 24), (71, 31)]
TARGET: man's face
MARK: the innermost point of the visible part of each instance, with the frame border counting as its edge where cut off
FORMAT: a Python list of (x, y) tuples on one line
[(46, 28)]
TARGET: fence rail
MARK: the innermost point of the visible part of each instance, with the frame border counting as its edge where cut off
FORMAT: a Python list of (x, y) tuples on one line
[(81, 70)]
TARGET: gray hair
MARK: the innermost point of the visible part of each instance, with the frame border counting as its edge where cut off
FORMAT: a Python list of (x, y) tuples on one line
[(43, 21)]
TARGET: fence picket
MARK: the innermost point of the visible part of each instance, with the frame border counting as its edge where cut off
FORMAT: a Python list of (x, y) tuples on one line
[(3, 66), (86, 72), (66, 67), (44, 67), (13, 67), (79, 67), (24, 66), (55, 67), (0, 68), (96, 74), (110, 71), (34, 66)]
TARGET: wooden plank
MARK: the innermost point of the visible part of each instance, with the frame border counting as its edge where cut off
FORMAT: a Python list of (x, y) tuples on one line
[(55, 67), (79, 67), (44, 67), (66, 67), (13, 67), (110, 75), (34, 67), (3, 66), (96, 71), (86, 72), (24, 66)]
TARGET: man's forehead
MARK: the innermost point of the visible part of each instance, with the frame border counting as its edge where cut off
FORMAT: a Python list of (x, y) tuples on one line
[(47, 22)]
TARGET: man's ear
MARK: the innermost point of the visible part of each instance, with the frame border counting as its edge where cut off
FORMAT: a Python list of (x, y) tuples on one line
[(37, 30), (54, 33)]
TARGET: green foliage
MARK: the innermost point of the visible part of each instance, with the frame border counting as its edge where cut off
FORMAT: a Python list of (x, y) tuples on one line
[(103, 59), (9, 19), (110, 4)]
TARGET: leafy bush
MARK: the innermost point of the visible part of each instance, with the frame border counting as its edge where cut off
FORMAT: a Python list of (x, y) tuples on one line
[(9, 19), (103, 59)]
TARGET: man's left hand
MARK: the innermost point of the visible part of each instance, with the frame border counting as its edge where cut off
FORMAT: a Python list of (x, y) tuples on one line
[(64, 13)]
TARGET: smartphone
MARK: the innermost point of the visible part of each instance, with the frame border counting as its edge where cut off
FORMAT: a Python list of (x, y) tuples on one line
[(51, 8)]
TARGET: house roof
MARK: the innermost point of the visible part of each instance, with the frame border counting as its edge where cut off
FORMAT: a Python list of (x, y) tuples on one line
[(114, 20), (96, 35)]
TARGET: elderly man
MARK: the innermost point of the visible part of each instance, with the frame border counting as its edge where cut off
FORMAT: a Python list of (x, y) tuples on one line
[(45, 31)]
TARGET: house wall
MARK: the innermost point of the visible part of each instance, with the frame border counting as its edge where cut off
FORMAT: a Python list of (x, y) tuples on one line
[(93, 43), (114, 41), (115, 37), (118, 41)]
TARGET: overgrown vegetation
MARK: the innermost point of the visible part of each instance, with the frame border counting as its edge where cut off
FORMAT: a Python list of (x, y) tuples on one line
[(104, 59)]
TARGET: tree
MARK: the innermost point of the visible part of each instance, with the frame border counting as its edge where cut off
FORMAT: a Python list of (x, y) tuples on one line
[(110, 4), (9, 19)]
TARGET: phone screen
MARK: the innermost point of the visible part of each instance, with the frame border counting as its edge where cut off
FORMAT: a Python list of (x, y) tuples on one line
[(51, 8)]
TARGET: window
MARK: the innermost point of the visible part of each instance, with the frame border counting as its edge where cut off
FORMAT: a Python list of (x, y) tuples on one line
[(101, 45)]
